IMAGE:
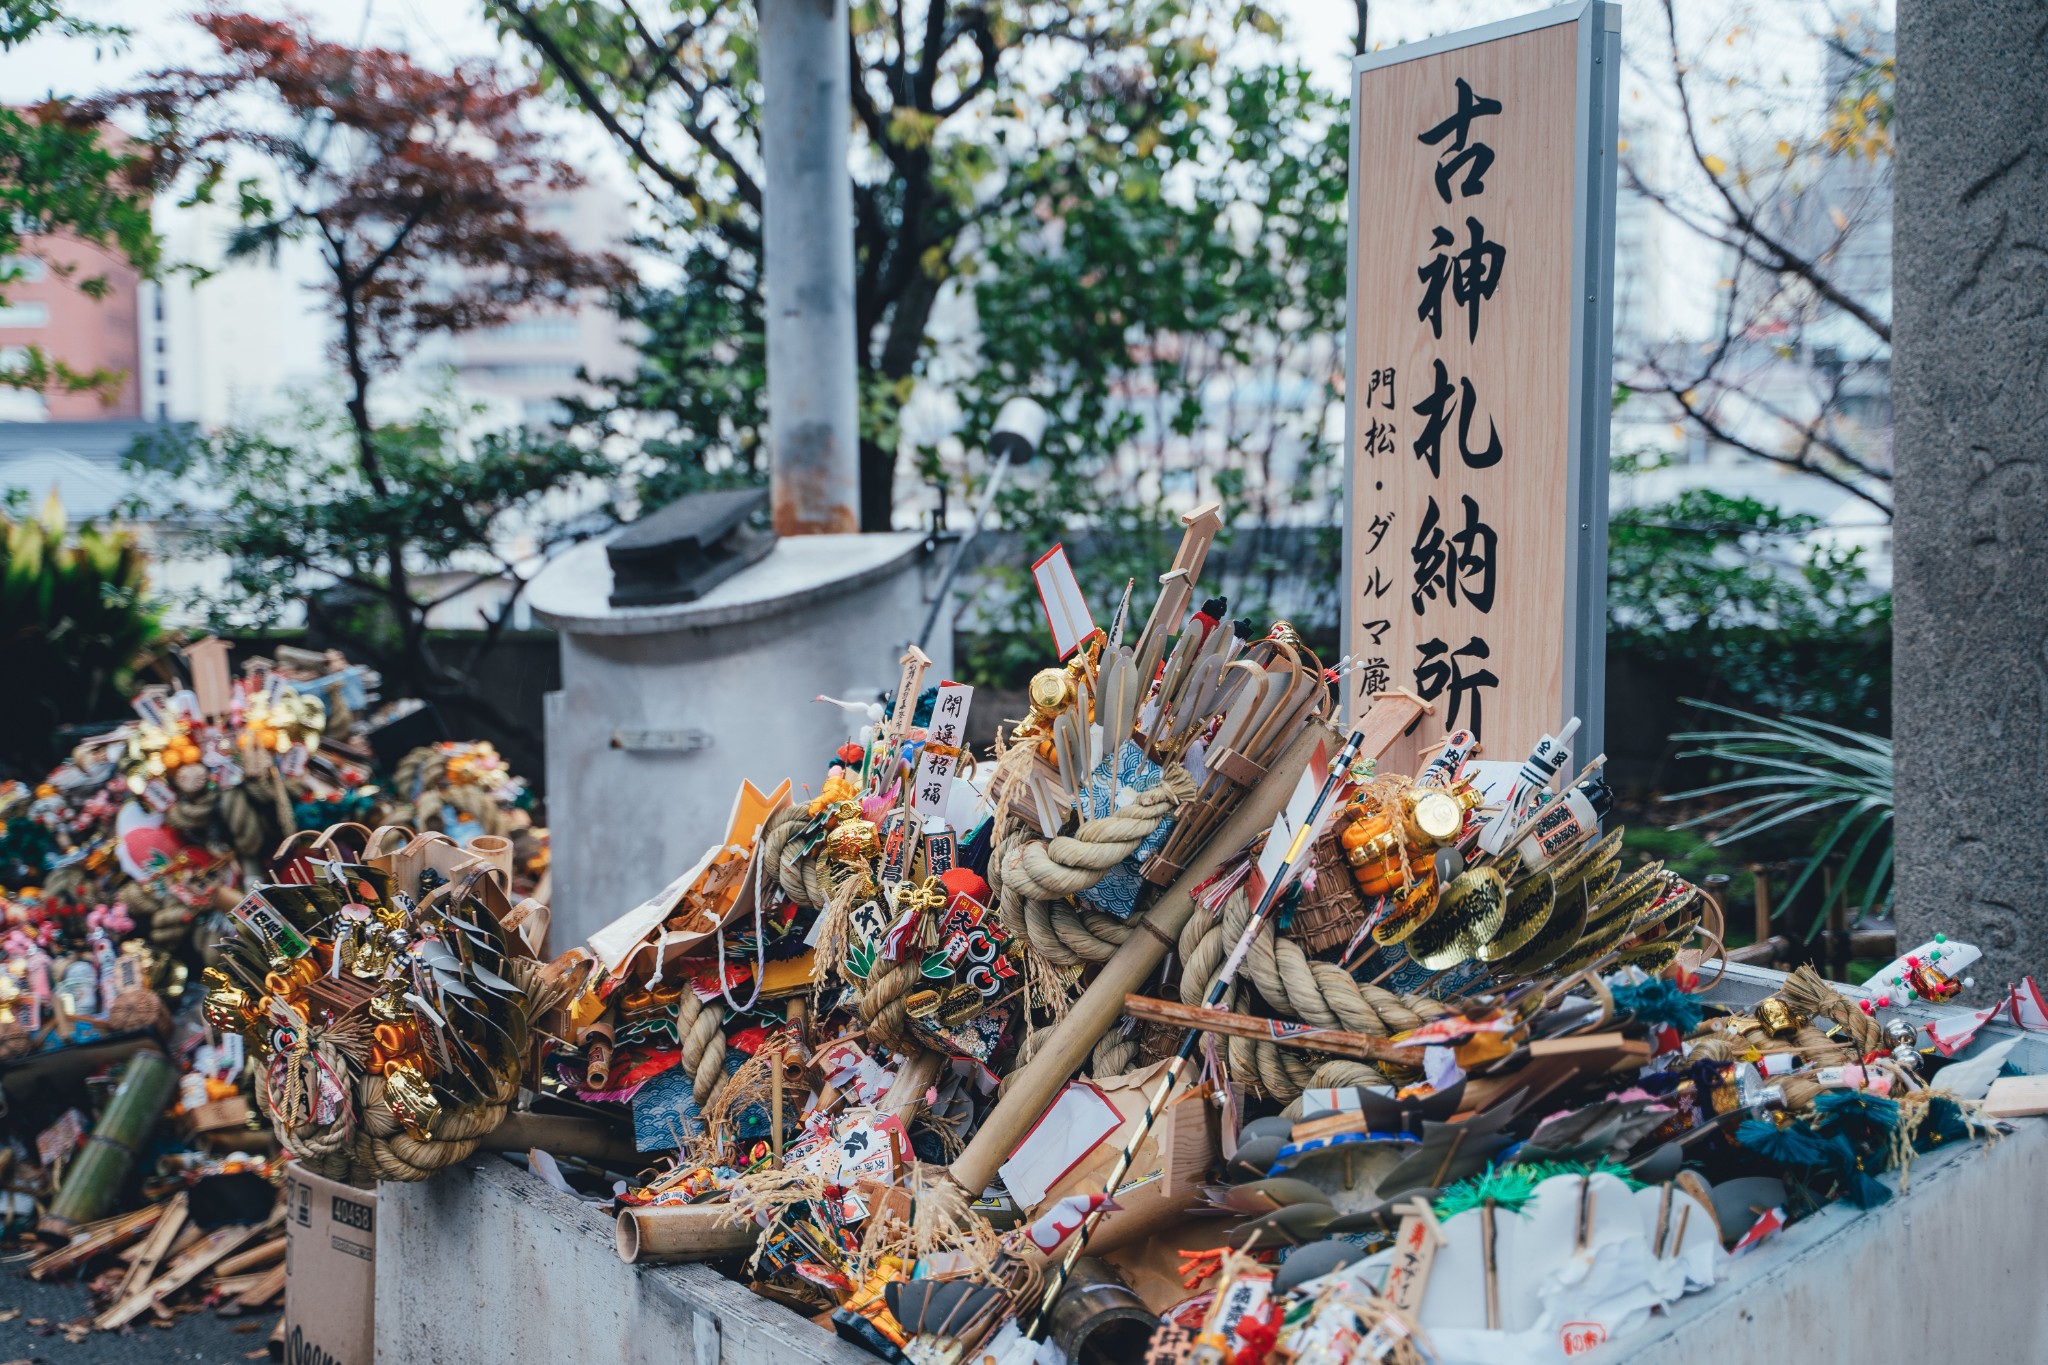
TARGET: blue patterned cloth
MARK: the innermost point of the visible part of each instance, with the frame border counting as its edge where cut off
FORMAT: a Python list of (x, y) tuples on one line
[(664, 1112), (1117, 893)]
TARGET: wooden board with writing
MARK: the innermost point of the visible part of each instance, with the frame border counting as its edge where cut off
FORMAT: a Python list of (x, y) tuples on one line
[(1475, 530)]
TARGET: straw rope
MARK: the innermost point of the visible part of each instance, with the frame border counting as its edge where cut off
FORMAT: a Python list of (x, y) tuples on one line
[(1297, 987)]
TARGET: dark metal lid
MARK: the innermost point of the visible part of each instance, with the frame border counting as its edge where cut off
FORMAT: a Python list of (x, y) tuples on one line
[(687, 548)]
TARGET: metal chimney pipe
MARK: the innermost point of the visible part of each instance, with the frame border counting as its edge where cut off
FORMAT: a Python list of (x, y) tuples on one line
[(807, 267)]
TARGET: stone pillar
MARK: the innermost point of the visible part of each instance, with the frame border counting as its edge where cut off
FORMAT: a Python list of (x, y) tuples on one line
[(807, 268), (1970, 392)]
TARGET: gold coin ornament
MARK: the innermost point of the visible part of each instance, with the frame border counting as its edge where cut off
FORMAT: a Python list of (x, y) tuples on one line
[(1468, 914), (1530, 904)]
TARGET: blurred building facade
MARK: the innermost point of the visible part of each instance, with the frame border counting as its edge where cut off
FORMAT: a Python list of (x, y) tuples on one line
[(46, 308)]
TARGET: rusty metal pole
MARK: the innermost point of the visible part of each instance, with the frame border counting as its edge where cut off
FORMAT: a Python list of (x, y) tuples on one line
[(807, 268)]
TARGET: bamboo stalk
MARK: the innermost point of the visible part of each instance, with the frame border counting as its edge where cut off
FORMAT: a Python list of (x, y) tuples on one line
[(146, 1088), (1030, 1090), (563, 1135), (1306, 1038), (918, 1074), (682, 1232)]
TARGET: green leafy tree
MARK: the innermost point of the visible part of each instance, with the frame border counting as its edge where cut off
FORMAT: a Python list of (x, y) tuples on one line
[(293, 509), (416, 187), (76, 618), (1181, 311), (61, 175), (1732, 590), (977, 128)]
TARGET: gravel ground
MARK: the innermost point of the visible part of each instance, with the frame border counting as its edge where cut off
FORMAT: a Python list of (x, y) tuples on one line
[(196, 1339)]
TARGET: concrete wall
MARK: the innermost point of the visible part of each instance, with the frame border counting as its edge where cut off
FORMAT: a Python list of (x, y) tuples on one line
[(1949, 1272), (486, 1263), (485, 1253), (1971, 646), (742, 668)]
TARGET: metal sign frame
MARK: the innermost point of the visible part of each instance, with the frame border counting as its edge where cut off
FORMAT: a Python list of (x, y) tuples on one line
[(1598, 77)]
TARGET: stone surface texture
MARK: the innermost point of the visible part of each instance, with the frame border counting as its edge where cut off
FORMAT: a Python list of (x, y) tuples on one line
[(1970, 265), (736, 673), (486, 1263)]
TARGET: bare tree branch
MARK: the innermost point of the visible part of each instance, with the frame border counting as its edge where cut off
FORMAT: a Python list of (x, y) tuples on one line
[(1786, 260), (559, 61)]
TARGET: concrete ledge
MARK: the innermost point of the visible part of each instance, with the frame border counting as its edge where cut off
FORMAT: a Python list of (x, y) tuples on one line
[(573, 594), (485, 1263), (1947, 1271)]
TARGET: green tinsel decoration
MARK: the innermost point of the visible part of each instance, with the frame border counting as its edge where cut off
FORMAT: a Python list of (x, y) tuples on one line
[(1510, 1187), (1658, 1001), (27, 850), (324, 811)]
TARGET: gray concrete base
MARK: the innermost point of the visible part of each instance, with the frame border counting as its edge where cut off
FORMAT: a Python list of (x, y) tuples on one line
[(1950, 1271), (485, 1263), (664, 710)]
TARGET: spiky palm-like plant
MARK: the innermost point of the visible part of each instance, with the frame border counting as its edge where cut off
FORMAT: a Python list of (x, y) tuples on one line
[(1796, 769)]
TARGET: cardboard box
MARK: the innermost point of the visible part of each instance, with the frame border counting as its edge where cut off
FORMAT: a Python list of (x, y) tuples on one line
[(330, 1257), (214, 1115)]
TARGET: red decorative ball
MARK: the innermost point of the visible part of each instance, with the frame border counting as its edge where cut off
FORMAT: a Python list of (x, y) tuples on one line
[(962, 881)]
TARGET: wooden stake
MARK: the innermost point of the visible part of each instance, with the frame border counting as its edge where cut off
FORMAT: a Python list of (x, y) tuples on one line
[(1178, 582), (775, 1102), (110, 1234), (216, 1247), (255, 1258), (1338, 1043), (264, 1290), (154, 1248)]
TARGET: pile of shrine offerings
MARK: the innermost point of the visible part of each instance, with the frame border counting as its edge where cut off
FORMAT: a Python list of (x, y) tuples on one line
[(1178, 1023), (149, 1132)]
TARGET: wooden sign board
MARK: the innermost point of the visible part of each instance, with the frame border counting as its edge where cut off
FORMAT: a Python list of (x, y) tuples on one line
[(1479, 374)]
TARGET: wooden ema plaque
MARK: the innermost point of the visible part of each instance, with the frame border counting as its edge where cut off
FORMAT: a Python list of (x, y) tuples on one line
[(1474, 549)]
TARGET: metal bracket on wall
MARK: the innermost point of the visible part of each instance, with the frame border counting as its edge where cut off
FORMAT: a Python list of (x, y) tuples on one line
[(651, 741)]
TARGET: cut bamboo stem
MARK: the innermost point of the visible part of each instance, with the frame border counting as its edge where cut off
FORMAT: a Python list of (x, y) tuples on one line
[(913, 1080), (563, 1135), (682, 1232)]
